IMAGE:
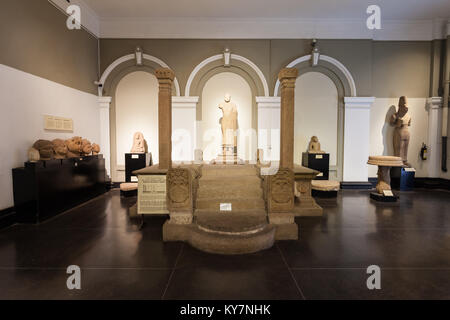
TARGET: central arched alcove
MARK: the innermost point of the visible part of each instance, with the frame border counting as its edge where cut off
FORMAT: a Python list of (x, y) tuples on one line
[(136, 109), (319, 111), (208, 119), (316, 114)]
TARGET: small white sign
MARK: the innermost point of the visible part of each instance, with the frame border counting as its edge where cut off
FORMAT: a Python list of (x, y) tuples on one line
[(134, 156), (134, 179), (320, 174), (410, 170), (225, 207), (388, 193), (319, 156)]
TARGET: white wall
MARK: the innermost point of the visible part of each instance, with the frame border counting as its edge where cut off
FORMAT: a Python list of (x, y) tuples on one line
[(25, 99), (381, 132), (136, 110), (213, 94), (316, 114)]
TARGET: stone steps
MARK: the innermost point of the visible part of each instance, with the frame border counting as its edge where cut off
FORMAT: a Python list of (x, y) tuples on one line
[(237, 204), (231, 221), (245, 229), (232, 243), (229, 170), (230, 193)]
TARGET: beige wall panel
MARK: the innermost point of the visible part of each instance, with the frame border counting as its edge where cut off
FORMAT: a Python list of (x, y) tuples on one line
[(184, 55), (401, 68), (36, 40)]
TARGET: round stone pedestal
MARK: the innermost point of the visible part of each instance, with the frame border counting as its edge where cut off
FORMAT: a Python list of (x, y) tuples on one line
[(384, 164)]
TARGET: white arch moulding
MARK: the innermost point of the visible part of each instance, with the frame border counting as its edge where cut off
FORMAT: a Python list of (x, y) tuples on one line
[(328, 59), (219, 57), (128, 57)]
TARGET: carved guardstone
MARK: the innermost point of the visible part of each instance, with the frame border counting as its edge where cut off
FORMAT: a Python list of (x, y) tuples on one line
[(180, 195), (280, 204)]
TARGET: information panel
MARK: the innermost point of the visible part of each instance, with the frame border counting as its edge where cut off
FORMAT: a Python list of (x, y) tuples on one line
[(152, 194)]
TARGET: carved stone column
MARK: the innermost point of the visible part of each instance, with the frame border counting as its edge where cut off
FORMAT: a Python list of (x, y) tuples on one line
[(165, 78), (287, 77)]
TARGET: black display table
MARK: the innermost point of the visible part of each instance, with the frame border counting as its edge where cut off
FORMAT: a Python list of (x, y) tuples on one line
[(319, 162), (44, 189), (136, 161)]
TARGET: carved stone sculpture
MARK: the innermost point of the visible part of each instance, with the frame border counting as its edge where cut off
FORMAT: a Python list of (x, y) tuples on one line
[(59, 148), (314, 145), (384, 164), (86, 147), (402, 121), (45, 148), (74, 147), (139, 144), (33, 155), (281, 191), (95, 149), (178, 189), (180, 195), (229, 126)]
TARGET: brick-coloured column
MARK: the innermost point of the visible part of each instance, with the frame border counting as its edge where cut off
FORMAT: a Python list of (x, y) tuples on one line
[(165, 78), (287, 77)]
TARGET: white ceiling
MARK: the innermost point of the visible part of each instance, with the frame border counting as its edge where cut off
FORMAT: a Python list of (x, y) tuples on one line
[(277, 9)]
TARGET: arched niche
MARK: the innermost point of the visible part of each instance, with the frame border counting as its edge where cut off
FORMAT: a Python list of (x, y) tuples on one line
[(116, 138), (217, 64), (236, 62), (346, 87), (209, 128), (333, 66), (319, 111)]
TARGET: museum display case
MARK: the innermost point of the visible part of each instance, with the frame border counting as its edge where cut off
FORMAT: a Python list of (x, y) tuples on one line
[(47, 188)]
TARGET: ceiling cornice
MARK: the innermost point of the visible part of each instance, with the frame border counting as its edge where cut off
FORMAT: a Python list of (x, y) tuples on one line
[(176, 28), (222, 28), (89, 19)]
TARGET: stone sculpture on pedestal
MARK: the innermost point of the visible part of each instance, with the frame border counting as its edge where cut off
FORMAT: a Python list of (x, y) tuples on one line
[(139, 144), (45, 149), (229, 126), (86, 147), (95, 149), (402, 121), (33, 155), (59, 148), (314, 145), (74, 146)]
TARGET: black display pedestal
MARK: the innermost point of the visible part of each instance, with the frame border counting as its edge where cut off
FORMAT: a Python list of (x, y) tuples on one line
[(402, 178), (319, 162), (136, 161), (44, 189), (382, 198)]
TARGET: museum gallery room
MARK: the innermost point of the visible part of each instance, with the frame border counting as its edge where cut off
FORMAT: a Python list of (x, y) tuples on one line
[(224, 150)]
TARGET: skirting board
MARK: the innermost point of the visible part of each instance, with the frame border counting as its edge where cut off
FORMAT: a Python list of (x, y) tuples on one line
[(356, 185), (432, 183), (426, 183), (7, 217)]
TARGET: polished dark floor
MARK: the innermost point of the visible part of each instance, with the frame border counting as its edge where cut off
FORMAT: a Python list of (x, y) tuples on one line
[(409, 240)]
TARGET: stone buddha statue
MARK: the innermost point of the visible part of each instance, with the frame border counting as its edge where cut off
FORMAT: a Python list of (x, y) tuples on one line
[(314, 145), (229, 126), (139, 143), (402, 121)]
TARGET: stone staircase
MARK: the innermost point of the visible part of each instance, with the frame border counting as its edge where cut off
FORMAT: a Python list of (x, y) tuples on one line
[(245, 229)]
